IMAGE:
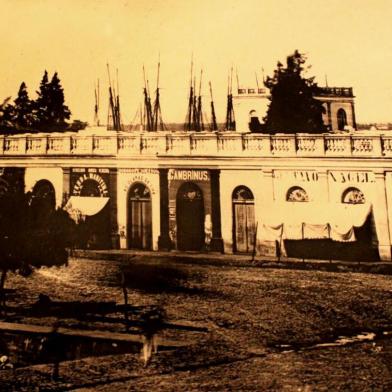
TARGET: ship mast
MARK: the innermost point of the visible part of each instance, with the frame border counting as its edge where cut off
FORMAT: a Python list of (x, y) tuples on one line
[(148, 118), (230, 119), (96, 106), (194, 107), (189, 116), (214, 126), (114, 116), (117, 108), (194, 118), (199, 123), (157, 114)]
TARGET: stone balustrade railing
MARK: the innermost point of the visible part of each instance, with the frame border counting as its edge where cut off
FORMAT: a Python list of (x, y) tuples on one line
[(198, 144)]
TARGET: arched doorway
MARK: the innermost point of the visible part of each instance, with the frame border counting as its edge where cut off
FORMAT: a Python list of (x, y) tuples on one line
[(190, 217), (94, 230), (43, 200), (243, 220), (254, 123), (139, 217), (342, 119)]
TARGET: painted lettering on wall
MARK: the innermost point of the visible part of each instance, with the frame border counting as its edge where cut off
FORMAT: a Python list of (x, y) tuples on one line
[(90, 170), (140, 178), (140, 171), (101, 184), (347, 176), (189, 175), (298, 175), (306, 176)]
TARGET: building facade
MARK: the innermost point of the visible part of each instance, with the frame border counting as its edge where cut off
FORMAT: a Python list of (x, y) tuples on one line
[(251, 105), (321, 196)]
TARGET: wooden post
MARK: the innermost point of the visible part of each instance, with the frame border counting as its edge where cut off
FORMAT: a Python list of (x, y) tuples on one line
[(280, 243), (303, 237), (125, 294), (255, 243), (329, 237)]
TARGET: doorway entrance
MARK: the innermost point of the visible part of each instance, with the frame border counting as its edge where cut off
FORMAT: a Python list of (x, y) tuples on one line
[(243, 220), (190, 217), (139, 217), (43, 201)]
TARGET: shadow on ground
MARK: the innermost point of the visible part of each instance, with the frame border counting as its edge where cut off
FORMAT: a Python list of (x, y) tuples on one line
[(156, 278)]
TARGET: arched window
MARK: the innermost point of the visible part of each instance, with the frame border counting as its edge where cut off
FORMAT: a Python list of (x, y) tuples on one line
[(242, 193), (139, 191), (297, 194), (44, 196), (342, 119), (353, 196)]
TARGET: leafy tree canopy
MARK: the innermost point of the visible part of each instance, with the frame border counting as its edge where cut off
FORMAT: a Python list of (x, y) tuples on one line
[(23, 110), (47, 113), (293, 107), (50, 107)]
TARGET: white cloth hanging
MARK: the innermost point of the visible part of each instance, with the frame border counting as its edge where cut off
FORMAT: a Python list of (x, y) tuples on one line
[(310, 220), (81, 206)]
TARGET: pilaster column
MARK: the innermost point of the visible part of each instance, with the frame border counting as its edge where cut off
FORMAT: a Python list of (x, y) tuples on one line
[(216, 241), (329, 115), (114, 235), (66, 184), (353, 115), (380, 211), (265, 201), (323, 186), (164, 242)]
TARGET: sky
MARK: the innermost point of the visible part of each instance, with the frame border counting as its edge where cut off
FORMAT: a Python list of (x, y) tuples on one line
[(350, 41)]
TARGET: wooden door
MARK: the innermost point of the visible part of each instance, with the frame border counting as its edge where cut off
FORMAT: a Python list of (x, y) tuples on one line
[(243, 220), (139, 218), (190, 217)]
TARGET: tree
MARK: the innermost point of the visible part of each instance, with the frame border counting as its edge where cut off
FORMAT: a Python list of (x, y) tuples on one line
[(58, 111), (77, 125), (23, 109), (293, 107), (6, 114), (47, 113), (27, 242), (42, 104)]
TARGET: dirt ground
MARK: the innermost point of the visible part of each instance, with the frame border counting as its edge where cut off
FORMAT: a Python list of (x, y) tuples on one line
[(261, 325)]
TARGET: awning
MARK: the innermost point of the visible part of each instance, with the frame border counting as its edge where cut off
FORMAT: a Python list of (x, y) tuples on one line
[(314, 220), (79, 206)]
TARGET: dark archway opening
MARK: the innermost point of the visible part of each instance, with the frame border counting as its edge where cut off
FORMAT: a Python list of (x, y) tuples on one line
[(94, 230), (342, 119), (43, 201), (90, 189), (190, 217)]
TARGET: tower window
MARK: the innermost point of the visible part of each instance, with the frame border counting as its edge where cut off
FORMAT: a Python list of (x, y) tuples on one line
[(342, 119)]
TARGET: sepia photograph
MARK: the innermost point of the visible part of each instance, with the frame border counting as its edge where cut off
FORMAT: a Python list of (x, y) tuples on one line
[(195, 196)]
